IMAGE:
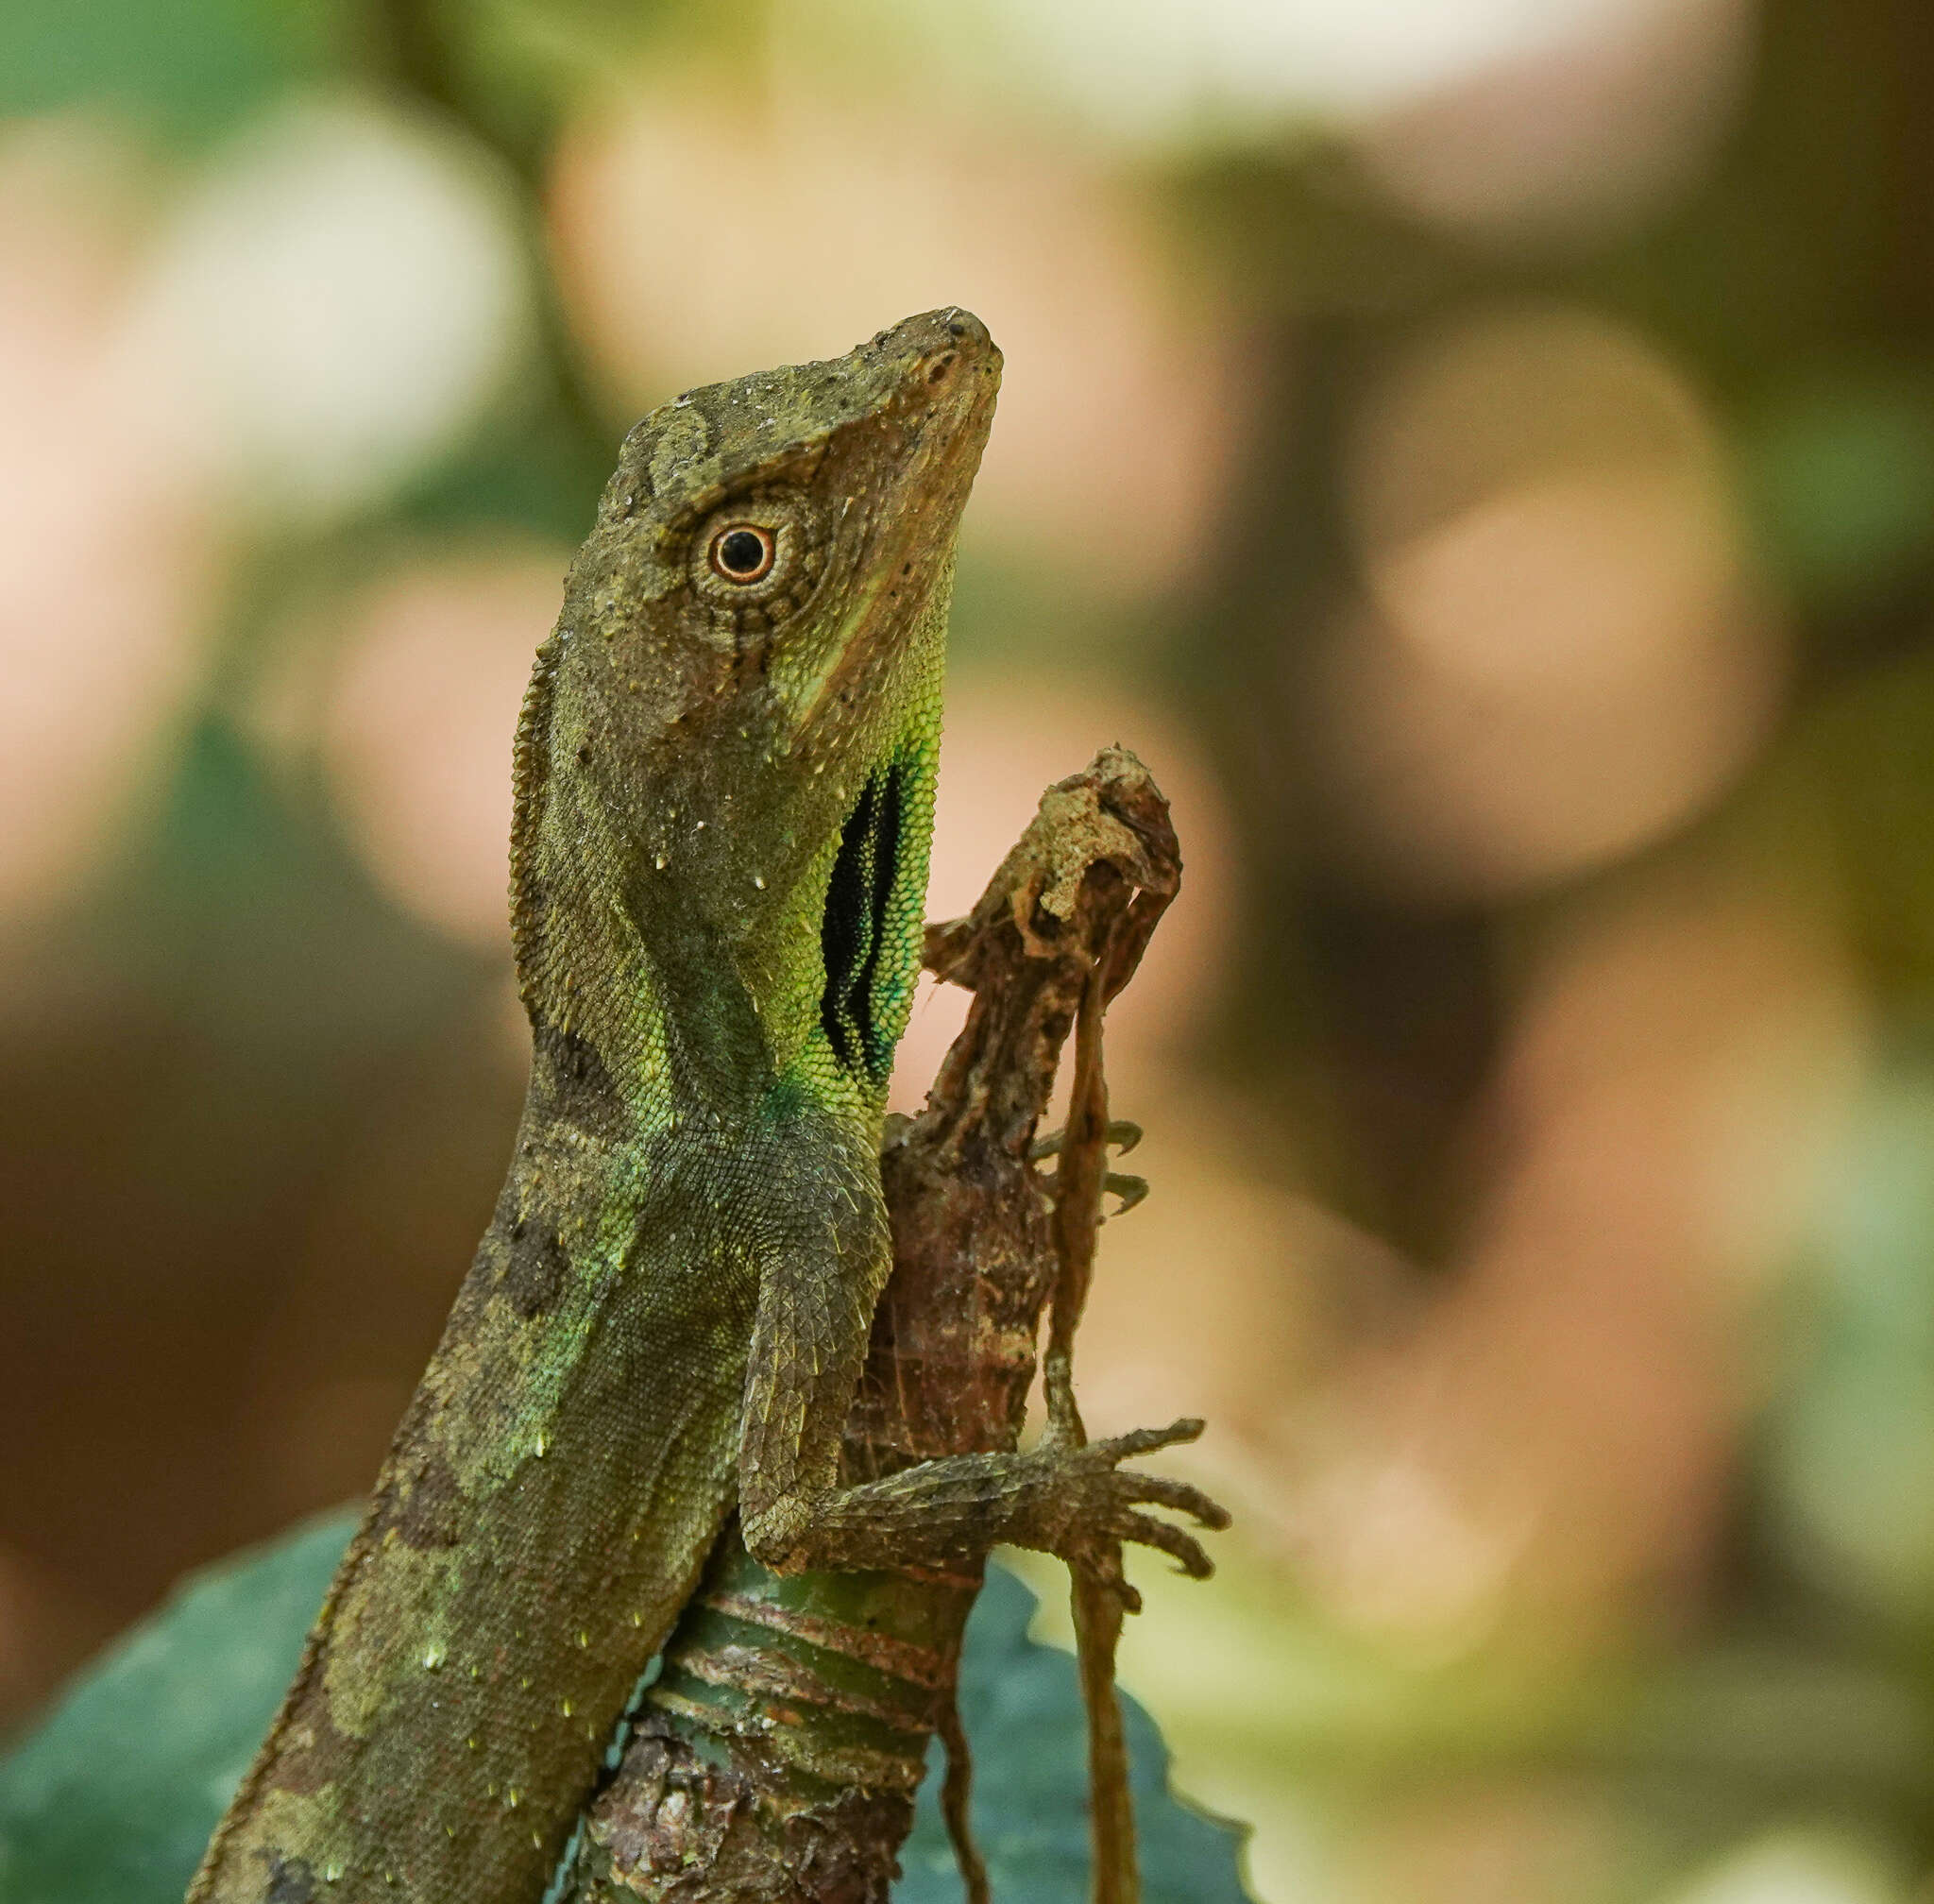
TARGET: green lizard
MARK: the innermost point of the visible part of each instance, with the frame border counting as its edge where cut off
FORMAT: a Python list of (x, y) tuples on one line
[(724, 779)]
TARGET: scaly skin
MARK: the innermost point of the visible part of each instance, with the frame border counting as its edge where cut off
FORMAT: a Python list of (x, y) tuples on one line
[(725, 788)]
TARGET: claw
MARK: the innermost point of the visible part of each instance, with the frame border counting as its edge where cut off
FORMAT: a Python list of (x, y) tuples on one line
[(1123, 1134), (1131, 1190), (1183, 1549)]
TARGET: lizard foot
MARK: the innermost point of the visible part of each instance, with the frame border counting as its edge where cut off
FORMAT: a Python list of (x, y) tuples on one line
[(1086, 1507)]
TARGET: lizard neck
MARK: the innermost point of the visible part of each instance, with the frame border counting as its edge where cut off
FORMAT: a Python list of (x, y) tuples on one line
[(640, 1017), (713, 916)]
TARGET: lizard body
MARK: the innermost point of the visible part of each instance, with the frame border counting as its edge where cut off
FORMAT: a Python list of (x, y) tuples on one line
[(724, 781)]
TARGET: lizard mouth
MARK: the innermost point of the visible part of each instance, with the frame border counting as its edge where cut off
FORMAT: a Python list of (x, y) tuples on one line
[(859, 918)]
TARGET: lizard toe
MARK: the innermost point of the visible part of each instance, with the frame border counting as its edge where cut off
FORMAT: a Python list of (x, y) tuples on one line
[(1183, 1549), (1146, 1440), (1160, 1490)]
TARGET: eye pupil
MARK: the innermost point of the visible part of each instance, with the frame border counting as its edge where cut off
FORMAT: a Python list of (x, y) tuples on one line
[(742, 554)]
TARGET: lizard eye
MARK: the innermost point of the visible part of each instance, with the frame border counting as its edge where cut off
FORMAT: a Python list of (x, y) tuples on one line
[(743, 552), (755, 558)]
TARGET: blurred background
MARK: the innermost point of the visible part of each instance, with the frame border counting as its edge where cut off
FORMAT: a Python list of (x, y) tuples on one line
[(1480, 452)]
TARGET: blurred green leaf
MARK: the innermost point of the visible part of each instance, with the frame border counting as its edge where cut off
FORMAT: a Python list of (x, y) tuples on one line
[(240, 905), (1856, 787), (111, 1801), (192, 68), (1843, 475), (1852, 1447), (541, 474)]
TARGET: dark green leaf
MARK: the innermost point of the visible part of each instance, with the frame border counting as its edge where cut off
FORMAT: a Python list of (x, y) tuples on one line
[(1021, 1704), (111, 1801)]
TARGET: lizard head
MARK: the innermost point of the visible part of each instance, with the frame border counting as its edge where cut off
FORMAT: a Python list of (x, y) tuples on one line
[(725, 769)]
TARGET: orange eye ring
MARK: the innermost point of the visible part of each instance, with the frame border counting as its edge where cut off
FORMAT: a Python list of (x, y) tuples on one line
[(743, 552)]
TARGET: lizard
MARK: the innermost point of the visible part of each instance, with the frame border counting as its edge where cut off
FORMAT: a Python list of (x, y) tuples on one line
[(724, 778)]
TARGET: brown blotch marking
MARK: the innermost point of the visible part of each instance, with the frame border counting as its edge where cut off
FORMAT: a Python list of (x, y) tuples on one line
[(536, 1267), (581, 1087), (422, 1509), (317, 1754), (290, 1880)]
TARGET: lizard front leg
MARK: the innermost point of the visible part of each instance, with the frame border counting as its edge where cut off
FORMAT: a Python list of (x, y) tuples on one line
[(815, 1309)]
